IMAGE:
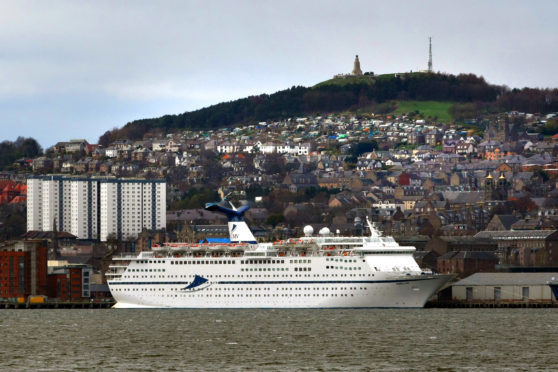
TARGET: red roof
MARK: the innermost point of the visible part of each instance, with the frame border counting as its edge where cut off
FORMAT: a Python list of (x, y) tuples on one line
[(4, 183), (9, 187), (18, 199)]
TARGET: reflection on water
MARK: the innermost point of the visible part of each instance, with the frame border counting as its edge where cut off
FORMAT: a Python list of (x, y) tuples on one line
[(239, 340)]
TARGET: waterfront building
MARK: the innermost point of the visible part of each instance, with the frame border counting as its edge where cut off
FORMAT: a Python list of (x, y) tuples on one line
[(23, 268), (95, 208), (69, 281), (525, 247), (465, 263), (505, 287)]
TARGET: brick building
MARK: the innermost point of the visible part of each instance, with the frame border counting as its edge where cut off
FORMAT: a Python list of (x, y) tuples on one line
[(23, 268), (525, 247), (465, 263), (69, 282)]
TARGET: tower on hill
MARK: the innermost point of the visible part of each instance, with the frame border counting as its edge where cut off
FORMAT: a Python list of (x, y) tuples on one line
[(429, 54), (356, 67)]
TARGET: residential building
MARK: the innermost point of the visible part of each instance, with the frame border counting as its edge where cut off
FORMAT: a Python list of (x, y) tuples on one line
[(23, 268), (95, 208), (70, 281)]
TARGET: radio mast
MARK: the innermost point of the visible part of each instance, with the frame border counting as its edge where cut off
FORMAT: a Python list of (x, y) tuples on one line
[(430, 54)]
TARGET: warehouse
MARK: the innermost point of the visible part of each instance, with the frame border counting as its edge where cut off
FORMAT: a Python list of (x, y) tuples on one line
[(505, 287)]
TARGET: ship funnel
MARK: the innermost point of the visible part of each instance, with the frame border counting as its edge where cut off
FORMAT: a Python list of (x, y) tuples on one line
[(239, 232)]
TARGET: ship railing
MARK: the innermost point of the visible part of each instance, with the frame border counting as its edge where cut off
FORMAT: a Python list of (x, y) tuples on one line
[(132, 256)]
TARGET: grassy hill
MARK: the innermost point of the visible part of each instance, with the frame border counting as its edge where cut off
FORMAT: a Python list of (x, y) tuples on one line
[(430, 95), (437, 110), (345, 81)]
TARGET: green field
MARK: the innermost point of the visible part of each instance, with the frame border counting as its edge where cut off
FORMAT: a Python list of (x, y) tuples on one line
[(426, 109)]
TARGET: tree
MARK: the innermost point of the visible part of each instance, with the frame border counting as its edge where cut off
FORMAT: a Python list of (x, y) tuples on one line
[(275, 219), (22, 147), (524, 204), (551, 127)]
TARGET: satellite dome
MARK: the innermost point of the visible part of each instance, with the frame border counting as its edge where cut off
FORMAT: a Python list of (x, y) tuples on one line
[(308, 230), (324, 231), (358, 219)]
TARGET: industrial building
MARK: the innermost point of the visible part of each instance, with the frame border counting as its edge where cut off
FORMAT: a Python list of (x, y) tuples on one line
[(95, 208), (505, 287)]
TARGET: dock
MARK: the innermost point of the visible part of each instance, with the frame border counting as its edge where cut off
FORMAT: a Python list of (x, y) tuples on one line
[(58, 305), (455, 304)]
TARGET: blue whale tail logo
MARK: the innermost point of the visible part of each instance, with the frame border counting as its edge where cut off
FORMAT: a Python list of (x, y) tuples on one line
[(198, 280)]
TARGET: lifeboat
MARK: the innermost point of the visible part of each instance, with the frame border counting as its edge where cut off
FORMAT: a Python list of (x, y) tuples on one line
[(159, 248), (235, 247), (196, 248), (177, 248)]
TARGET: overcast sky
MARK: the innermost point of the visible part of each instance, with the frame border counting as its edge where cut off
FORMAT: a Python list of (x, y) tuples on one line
[(74, 69)]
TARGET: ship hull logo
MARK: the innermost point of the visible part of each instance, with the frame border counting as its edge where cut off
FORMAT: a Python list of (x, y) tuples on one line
[(199, 283)]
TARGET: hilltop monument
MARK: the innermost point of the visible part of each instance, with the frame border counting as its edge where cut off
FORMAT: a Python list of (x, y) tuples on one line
[(356, 71), (356, 67)]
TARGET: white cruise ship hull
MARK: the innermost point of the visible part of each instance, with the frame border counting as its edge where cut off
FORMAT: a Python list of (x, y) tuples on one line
[(234, 284)]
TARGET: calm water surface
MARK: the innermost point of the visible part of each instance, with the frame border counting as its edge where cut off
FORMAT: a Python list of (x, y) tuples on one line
[(280, 340)]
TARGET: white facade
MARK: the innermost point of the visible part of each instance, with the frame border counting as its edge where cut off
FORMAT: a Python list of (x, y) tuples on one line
[(56, 209), (128, 206), (83, 208), (96, 208), (265, 148), (34, 204), (109, 210)]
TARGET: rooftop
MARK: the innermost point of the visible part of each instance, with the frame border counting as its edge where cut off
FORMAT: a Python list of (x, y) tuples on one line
[(508, 279)]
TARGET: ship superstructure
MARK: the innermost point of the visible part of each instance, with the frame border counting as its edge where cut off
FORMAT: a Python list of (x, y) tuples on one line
[(313, 271)]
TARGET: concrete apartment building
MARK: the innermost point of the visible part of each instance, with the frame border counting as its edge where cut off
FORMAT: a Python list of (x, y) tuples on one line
[(95, 208)]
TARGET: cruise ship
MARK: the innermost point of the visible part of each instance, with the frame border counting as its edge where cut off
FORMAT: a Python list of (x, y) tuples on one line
[(320, 270)]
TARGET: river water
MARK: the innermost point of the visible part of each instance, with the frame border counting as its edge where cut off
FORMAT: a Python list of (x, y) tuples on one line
[(279, 340)]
